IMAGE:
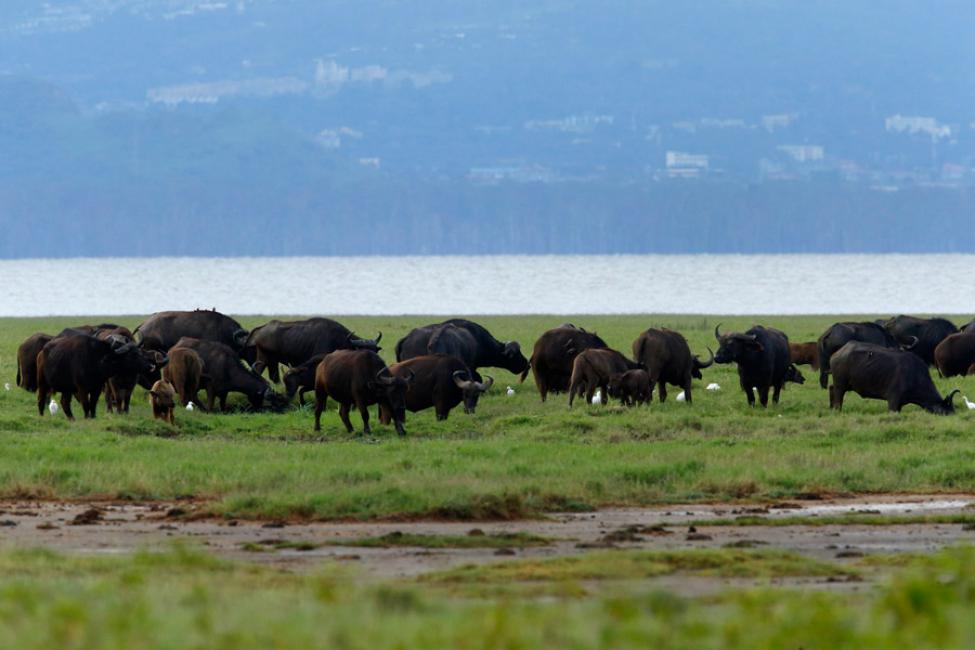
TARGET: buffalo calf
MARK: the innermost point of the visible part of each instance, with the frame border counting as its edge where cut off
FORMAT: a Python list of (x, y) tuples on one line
[(162, 395), (631, 387)]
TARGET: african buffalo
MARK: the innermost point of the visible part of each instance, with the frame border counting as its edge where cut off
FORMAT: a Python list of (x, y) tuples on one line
[(119, 388), (804, 354), (792, 374), (162, 397), (762, 355), (593, 369), (300, 379), (27, 360), (920, 335), (879, 372), (440, 381), (668, 360), (185, 372), (956, 354), (486, 350), (225, 372), (360, 378), (164, 329), (294, 342), (555, 350), (631, 387), (80, 365), (839, 334)]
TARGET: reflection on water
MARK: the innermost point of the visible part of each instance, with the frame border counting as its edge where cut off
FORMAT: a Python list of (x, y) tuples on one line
[(556, 284)]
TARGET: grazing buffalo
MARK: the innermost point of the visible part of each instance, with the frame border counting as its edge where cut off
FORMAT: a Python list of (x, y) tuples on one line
[(119, 388), (440, 381), (593, 369), (360, 378), (762, 355), (668, 359), (956, 354), (631, 387), (792, 374), (80, 365), (839, 334), (162, 396), (294, 342), (555, 350), (920, 335), (226, 373), (301, 378), (164, 329), (879, 372), (185, 372), (27, 360), (487, 350), (804, 354)]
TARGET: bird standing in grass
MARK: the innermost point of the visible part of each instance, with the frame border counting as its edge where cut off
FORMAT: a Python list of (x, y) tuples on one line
[(189, 407), (510, 392), (53, 407), (970, 405)]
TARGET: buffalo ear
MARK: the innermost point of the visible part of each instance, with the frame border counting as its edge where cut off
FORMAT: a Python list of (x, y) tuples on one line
[(755, 345)]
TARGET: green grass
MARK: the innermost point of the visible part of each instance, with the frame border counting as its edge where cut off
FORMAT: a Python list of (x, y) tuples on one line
[(515, 458), (184, 599)]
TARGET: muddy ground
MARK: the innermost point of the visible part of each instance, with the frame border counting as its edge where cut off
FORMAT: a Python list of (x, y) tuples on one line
[(108, 528)]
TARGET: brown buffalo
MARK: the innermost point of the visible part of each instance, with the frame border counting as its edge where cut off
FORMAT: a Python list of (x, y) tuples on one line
[(804, 354), (555, 350), (300, 379), (27, 360), (956, 354), (185, 373), (360, 378), (164, 329), (593, 368), (162, 396), (631, 387), (225, 373), (668, 360), (441, 381)]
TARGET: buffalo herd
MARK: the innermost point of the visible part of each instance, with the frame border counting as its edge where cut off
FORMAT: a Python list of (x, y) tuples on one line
[(177, 354)]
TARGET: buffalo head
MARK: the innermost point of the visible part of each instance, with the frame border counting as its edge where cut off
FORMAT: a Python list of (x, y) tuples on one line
[(357, 343), (513, 360), (697, 365), (471, 389), (734, 346), (391, 390)]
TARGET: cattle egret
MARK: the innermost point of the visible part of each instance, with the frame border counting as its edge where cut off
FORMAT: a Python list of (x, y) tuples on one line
[(681, 397), (713, 386), (510, 392), (597, 398), (53, 407), (6, 386), (970, 405), (189, 407)]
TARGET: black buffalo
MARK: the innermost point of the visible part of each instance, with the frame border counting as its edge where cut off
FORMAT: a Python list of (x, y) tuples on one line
[(27, 360), (164, 329), (440, 381), (920, 335), (878, 372), (486, 350), (956, 354), (79, 365), (360, 378), (300, 379), (225, 372), (762, 355), (839, 334), (294, 342), (119, 388), (555, 350), (668, 360), (594, 368)]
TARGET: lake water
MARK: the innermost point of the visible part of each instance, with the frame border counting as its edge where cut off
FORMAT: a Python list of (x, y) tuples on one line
[(556, 284)]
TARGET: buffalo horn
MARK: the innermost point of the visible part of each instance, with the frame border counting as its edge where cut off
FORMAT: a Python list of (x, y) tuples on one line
[(701, 364), (717, 334), (462, 384), (483, 386), (908, 346)]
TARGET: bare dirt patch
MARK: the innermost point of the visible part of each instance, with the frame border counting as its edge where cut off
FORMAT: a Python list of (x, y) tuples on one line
[(111, 528)]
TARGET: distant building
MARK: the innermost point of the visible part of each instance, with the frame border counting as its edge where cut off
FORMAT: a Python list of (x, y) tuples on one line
[(917, 124), (686, 165)]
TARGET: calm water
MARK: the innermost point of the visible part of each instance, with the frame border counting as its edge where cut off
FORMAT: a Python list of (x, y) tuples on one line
[(559, 284)]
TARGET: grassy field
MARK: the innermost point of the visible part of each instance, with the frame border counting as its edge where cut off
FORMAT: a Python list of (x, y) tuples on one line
[(183, 599), (516, 457)]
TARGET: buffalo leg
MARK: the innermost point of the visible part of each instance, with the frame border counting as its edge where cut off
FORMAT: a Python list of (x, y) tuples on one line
[(763, 396), (42, 394), (344, 414), (748, 393), (66, 404), (93, 403), (836, 394), (320, 398), (364, 412), (223, 402), (273, 372), (211, 397), (775, 394), (662, 391), (604, 392), (687, 392)]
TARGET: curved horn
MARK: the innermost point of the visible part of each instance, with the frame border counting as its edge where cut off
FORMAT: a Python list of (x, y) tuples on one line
[(717, 334), (379, 338), (483, 386), (909, 346), (385, 377), (951, 396), (240, 336), (462, 384), (701, 364), (124, 348)]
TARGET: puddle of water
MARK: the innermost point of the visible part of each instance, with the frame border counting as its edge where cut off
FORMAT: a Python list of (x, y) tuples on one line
[(883, 508)]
